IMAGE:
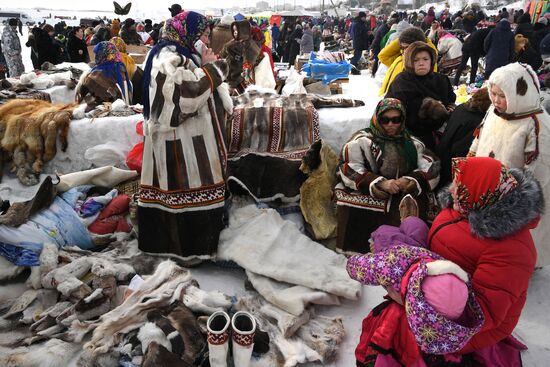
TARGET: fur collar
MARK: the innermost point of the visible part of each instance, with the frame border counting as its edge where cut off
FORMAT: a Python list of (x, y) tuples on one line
[(509, 215)]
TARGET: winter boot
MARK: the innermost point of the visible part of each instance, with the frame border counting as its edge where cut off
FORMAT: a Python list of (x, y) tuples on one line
[(244, 328), (408, 207), (218, 338)]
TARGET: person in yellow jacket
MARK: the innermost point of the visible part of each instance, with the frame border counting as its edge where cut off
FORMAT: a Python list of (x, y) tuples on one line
[(392, 55), (126, 59)]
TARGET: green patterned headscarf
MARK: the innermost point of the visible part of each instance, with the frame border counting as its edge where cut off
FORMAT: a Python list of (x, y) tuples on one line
[(380, 137)]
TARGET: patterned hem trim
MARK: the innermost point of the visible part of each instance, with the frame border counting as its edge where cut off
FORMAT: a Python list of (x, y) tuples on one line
[(183, 199), (293, 155), (244, 340), (218, 339), (361, 201)]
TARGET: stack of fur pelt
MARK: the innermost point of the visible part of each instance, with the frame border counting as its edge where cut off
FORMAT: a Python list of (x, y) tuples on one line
[(28, 135), (79, 310), (79, 302), (10, 91)]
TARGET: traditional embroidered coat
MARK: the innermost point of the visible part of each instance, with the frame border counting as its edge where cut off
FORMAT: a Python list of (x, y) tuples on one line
[(184, 159), (519, 138), (362, 165)]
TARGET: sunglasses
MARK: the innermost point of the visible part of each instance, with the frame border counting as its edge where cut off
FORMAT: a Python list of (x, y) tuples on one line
[(383, 120)]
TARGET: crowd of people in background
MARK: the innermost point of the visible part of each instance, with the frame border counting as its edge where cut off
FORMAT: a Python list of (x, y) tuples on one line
[(416, 142)]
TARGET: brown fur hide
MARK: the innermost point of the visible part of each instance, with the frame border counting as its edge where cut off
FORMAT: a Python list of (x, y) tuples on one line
[(316, 202), (480, 101), (28, 132), (432, 109)]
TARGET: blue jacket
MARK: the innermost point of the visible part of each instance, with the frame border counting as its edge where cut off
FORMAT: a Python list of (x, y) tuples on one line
[(275, 33)]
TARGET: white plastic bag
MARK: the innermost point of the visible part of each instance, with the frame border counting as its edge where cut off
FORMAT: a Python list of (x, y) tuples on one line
[(111, 153), (294, 84)]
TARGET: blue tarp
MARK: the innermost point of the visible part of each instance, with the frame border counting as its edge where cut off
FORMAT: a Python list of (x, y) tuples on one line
[(57, 224), (326, 71)]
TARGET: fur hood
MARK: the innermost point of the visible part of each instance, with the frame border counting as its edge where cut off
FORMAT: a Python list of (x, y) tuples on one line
[(520, 85), (510, 214), (413, 49)]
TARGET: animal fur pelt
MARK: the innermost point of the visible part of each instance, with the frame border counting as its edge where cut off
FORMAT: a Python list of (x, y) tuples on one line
[(433, 109), (316, 340), (290, 298), (284, 253), (159, 290), (509, 214), (316, 202), (53, 353), (28, 132), (19, 213)]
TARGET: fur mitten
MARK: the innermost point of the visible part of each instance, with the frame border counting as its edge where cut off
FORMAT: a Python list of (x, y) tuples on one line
[(379, 194), (432, 109)]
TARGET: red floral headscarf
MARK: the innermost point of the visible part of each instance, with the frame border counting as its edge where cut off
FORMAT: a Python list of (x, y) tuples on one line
[(481, 182)]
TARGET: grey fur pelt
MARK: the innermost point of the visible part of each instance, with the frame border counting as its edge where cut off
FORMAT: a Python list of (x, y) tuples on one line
[(510, 214)]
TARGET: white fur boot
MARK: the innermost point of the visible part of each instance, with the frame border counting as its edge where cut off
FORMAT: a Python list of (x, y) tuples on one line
[(218, 338), (244, 328)]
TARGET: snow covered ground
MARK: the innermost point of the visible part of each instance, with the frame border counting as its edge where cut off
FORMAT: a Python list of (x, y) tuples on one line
[(533, 328)]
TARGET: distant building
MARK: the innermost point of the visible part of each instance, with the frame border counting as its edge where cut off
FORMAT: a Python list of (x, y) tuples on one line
[(262, 5)]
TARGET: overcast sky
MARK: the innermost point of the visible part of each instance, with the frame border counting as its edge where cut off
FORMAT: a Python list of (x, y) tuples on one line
[(144, 4)]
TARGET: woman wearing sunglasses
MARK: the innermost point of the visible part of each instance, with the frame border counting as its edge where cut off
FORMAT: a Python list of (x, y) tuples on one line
[(382, 168)]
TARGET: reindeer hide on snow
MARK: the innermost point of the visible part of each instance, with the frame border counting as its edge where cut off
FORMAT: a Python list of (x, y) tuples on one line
[(316, 340), (283, 253)]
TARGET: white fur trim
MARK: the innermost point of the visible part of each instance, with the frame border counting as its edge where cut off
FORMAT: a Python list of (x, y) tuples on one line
[(416, 182), (223, 92), (440, 267), (152, 333), (379, 179)]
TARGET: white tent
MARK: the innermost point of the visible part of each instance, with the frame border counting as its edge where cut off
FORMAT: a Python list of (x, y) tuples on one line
[(263, 14), (295, 13)]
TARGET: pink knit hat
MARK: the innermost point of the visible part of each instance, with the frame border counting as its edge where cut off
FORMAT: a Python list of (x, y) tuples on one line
[(446, 293)]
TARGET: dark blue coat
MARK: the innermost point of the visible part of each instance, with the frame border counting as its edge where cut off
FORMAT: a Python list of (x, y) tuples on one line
[(275, 33), (360, 35), (499, 47)]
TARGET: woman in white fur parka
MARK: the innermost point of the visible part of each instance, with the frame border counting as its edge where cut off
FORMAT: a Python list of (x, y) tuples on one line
[(516, 131)]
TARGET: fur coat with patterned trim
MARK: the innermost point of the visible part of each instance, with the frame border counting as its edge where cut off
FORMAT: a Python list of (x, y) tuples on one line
[(494, 246), (518, 138), (360, 206)]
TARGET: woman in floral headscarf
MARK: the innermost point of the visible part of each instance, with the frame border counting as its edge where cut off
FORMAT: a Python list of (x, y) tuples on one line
[(182, 188), (107, 81), (126, 59), (379, 166), (484, 228)]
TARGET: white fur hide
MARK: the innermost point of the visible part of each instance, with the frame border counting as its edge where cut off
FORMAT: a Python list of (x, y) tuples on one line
[(200, 301), (262, 242), (152, 333), (158, 290), (291, 298), (53, 353)]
